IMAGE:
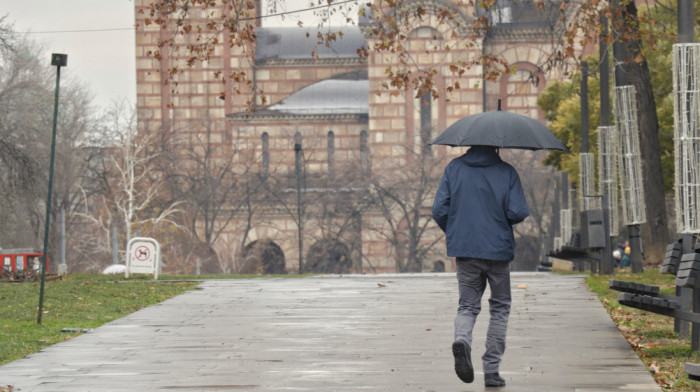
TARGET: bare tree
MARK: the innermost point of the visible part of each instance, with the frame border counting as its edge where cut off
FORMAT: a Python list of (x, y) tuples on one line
[(337, 200), (26, 100), (216, 183), (404, 196), (540, 187), (129, 182)]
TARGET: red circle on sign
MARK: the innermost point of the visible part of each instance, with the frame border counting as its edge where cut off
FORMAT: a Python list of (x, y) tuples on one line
[(142, 253)]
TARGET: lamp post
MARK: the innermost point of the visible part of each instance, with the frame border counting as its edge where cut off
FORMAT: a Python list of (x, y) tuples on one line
[(297, 153), (58, 60)]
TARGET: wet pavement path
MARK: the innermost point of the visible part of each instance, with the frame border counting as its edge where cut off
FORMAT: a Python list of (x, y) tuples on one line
[(349, 333)]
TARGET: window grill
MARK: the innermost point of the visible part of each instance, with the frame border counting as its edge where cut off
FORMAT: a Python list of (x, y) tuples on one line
[(686, 97), (630, 164), (607, 173)]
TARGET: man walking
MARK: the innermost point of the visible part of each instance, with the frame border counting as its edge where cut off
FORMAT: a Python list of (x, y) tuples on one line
[(479, 199)]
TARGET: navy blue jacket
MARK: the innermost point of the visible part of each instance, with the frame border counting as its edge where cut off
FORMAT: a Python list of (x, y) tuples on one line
[(479, 199)]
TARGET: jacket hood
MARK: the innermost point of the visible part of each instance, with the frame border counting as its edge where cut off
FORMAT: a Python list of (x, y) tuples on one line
[(481, 156)]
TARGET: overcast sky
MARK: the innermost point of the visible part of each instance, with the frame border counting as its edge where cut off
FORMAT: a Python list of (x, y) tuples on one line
[(98, 37), (102, 60)]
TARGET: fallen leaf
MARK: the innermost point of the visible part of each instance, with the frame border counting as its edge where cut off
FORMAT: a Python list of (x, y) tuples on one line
[(381, 285), (522, 286)]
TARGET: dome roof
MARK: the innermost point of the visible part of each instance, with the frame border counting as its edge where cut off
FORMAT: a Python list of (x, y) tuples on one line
[(329, 96)]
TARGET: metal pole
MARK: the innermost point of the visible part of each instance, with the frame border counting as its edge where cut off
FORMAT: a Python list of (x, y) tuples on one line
[(115, 242), (685, 21), (62, 267), (604, 69), (297, 153), (607, 265), (619, 49), (689, 298), (584, 107), (636, 260), (58, 60)]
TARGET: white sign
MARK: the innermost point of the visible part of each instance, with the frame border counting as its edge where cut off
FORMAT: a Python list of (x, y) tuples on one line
[(143, 256)]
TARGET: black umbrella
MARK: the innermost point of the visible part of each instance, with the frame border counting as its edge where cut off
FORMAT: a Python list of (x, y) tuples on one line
[(500, 129)]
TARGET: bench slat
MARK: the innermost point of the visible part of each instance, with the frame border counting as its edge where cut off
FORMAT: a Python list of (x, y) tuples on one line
[(633, 287)]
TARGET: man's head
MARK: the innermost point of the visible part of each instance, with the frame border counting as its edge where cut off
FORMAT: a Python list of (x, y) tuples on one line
[(483, 148)]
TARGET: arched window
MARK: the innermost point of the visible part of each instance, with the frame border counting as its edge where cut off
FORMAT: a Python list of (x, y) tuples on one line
[(265, 154), (424, 120), (331, 154), (364, 152), (520, 90)]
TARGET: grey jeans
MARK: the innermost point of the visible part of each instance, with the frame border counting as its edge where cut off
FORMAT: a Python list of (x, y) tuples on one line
[(472, 275)]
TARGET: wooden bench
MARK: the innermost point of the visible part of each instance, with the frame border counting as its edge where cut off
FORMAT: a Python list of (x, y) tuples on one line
[(674, 251), (578, 256), (686, 267)]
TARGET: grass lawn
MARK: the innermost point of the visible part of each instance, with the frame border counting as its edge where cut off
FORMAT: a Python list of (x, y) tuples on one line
[(81, 301), (651, 335), (77, 301)]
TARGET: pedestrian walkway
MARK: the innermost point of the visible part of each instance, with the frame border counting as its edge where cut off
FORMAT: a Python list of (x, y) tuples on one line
[(390, 333)]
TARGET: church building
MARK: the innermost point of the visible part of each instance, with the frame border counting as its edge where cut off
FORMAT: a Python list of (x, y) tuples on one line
[(345, 173)]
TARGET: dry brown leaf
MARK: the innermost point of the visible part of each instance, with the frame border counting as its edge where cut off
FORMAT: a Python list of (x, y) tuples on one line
[(522, 286)]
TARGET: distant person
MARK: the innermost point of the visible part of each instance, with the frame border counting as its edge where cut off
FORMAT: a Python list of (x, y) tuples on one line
[(478, 201), (36, 264), (625, 261), (617, 255), (623, 248)]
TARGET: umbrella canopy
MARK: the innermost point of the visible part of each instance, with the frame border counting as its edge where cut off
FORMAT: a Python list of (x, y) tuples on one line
[(500, 129)]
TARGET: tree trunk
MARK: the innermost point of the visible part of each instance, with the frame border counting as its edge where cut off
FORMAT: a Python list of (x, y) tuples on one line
[(655, 231)]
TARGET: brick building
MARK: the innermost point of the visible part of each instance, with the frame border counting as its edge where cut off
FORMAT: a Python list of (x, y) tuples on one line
[(357, 147)]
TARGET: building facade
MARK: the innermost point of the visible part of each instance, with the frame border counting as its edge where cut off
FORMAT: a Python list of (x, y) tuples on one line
[(343, 161)]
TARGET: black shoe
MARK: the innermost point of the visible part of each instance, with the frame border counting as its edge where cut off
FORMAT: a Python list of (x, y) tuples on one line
[(494, 380), (463, 361)]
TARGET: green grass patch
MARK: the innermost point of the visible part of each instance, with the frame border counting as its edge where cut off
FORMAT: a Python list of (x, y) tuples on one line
[(651, 335), (82, 301), (77, 301)]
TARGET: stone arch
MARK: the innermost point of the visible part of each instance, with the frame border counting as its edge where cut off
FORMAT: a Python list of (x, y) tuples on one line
[(328, 256), (430, 9), (263, 257)]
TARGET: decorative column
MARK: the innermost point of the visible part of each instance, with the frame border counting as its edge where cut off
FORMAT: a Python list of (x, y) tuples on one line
[(630, 169), (607, 173)]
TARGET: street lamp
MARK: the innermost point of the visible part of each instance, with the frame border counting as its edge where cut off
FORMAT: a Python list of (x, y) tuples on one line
[(58, 60), (297, 153)]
